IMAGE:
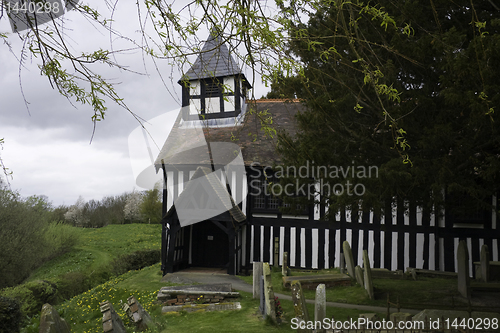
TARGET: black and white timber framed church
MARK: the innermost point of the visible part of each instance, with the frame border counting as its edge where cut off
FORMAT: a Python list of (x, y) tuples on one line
[(214, 94)]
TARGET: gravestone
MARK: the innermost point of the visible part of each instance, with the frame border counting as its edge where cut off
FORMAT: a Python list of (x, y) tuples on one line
[(342, 263), (320, 305), (284, 266), (367, 275), (51, 322), (358, 271), (257, 273), (485, 263), (463, 269), (299, 304), (137, 314), (349, 261), (262, 306), (396, 317), (276, 251), (268, 292), (111, 321)]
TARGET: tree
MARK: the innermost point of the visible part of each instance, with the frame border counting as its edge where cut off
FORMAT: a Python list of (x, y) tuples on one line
[(151, 205), (75, 214), (407, 86), (374, 73), (132, 208)]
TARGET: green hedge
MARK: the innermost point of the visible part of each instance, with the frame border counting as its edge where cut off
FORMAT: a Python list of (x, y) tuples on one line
[(135, 260)]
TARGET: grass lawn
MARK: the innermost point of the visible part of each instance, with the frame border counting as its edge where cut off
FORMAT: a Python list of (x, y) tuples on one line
[(98, 247), (425, 292), (83, 314)]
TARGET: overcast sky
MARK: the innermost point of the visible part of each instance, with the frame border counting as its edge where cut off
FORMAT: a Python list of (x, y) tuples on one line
[(48, 148)]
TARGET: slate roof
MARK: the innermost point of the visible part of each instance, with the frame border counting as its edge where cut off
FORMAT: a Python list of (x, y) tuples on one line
[(189, 146), (213, 61)]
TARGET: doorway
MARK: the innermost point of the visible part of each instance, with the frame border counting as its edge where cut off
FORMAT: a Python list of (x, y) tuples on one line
[(210, 245)]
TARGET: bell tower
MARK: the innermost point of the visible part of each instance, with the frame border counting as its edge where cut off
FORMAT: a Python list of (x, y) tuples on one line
[(214, 89)]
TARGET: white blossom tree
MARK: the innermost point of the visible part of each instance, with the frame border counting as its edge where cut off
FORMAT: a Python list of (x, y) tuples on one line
[(132, 208), (75, 213)]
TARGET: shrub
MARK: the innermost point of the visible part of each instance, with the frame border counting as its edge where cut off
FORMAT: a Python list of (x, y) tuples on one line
[(136, 260), (33, 295), (27, 239), (10, 315), (72, 284), (61, 237)]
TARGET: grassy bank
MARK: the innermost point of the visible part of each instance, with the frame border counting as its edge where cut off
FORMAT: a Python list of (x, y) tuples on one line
[(99, 255)]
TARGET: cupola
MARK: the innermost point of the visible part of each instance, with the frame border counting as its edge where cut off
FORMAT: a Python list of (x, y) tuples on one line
[(214, 89)]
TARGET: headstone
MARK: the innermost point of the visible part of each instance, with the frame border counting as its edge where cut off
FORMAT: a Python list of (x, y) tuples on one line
[(342, 263), (257, 273), (485, 263), (349, 261), (284, 266), (463, 269), (358, 272), (299, 304), (276, 251), (137, 314), (320, 305), (369, 317), (262, 306), (111, 321), (268, 292), (51, 322), (367, 275), (396, 317)]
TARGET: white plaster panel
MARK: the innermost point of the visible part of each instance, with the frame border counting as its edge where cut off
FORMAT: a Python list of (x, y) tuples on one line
[(212, 105)]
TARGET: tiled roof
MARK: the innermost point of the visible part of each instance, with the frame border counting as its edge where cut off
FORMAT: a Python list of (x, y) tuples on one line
[(189, 146), (213, 61)]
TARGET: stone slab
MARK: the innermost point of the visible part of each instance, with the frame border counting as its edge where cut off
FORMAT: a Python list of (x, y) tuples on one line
[(320, 305), (367, 276), (202, 307), (284, 266), (463, 270), (485, 263), (51, 322), (383, 273), (494, 270), (257, 273), (358, 272), (268, 292), (349, 260), (166, 293), (429, 273), (310, 282), (433, 315), (299, 304)]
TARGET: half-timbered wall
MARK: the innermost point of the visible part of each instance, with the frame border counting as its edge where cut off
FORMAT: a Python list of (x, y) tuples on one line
[(401, 239)]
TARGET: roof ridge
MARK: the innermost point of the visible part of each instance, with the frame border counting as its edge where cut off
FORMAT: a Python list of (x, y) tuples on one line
[(274, 100)]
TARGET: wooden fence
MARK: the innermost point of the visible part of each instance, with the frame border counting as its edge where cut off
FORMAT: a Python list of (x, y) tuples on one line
[(411, 238)]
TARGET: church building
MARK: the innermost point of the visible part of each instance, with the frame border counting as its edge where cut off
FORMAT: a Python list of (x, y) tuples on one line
[(217, 211)]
